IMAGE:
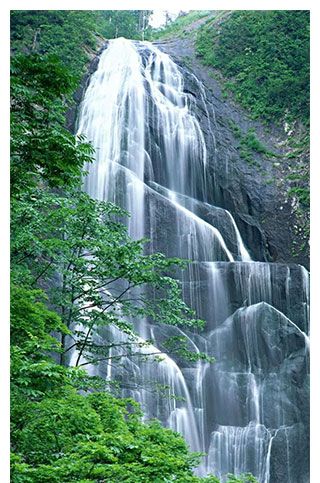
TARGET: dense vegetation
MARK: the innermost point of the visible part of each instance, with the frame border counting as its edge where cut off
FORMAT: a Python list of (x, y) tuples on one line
[(70, 35), (265, 56), (66, 247)]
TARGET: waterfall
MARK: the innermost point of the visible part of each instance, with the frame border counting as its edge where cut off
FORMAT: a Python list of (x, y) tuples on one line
[(247, 410)]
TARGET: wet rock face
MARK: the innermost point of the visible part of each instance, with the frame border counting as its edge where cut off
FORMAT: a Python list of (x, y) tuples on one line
[(249, 410), (253, 192), (226, 287), (296, 442)]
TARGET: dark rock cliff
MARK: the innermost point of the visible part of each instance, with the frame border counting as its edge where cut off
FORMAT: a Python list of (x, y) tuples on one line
[(255, 191)]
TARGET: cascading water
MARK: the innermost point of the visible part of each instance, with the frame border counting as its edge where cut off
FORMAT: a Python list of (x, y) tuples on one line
[(247, 410)]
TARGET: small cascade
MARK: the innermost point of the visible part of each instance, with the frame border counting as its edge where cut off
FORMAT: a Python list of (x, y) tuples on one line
[(249, 410), (238, 448)]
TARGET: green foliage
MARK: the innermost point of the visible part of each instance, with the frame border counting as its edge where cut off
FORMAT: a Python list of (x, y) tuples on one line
[(73, 437), (41, 146), (65, 33), (33, 373), (303, 194), (249, 144), (50, 53), (252, 142), (247, 478), (94, 437), (265, 56), (178, 345), (235, 129)]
